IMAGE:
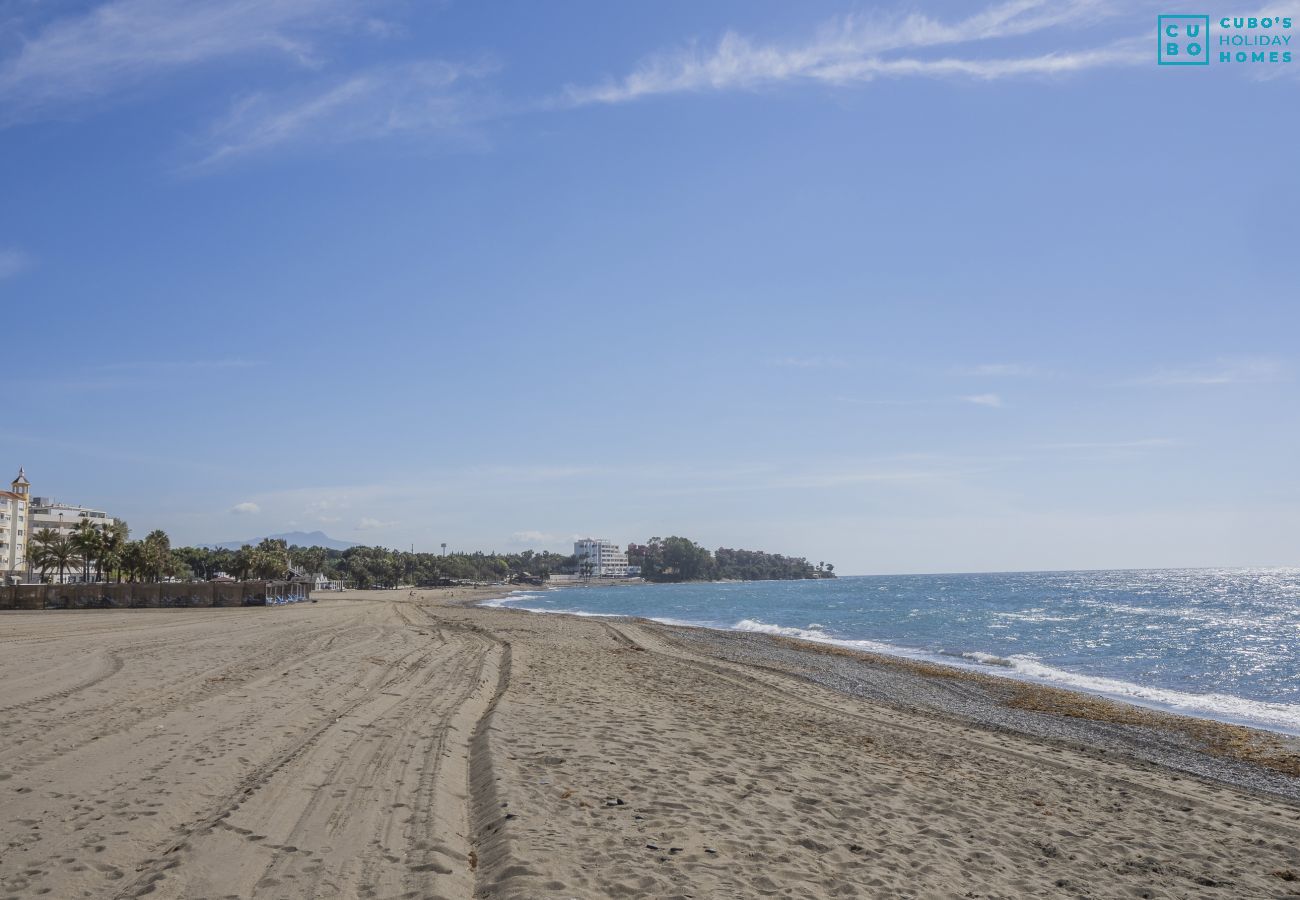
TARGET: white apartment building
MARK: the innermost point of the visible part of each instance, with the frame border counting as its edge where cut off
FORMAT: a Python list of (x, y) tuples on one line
[(605, 558), (13, 529), (63, 517)]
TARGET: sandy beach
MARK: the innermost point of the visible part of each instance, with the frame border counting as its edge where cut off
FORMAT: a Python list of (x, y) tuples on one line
[(394, 745)]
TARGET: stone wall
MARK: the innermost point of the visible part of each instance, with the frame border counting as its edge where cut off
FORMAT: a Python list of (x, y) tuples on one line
[(152, 596)]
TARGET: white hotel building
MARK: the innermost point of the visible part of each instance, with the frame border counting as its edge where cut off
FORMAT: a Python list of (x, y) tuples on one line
[(605, 558)]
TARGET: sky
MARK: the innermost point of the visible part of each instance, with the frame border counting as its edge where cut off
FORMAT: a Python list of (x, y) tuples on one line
[(908, 287)]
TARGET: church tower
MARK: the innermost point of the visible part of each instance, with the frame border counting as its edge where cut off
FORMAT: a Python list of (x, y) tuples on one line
[(21, 485)]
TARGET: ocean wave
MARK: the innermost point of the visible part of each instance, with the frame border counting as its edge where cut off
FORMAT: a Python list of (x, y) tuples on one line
[(1225, 707), (1284, 717), (756, 626), (516, 597), (512, 597), (987, 659), (1034, 617)]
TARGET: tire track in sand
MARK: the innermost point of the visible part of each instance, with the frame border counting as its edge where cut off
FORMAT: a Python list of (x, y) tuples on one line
[(373, 801)]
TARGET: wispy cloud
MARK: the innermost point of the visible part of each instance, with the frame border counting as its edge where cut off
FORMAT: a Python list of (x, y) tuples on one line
[(247, 508), (543, 537), (135, 375), (875, 401), (810, 362), (860, 49), (1140, 444), (119, 44), (998, 370), (410, 99), (369, 524), (983, 399), (1223, 371), (12, 261), (154, 365), (323, 510)]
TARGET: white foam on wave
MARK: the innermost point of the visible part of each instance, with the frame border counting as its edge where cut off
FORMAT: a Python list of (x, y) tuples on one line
[(1225, 707), (816, 634), (512, 597), (1282, 717), (988, 659), (1034, 617), (526, 596)]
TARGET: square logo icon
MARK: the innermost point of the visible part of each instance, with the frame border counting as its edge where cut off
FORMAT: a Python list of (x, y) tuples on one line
[(1183, 40)]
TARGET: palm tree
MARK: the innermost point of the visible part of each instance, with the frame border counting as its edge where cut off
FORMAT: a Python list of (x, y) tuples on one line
[(53, 550), (241, 565), (110, 558), (134, 564), (38, 549), (88, 541), (157, 554)]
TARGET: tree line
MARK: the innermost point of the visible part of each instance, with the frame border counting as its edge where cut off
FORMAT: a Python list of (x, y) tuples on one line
[(375, 567), (102, 553), (94, 552), (105, 553), (681, 559)]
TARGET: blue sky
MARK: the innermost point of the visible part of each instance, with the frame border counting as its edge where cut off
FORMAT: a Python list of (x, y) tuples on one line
[(912, 287)]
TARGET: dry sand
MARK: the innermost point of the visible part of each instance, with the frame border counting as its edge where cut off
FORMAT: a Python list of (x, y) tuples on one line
[(379, 745)]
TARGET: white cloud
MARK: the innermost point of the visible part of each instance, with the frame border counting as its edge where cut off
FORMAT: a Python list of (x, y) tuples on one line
[(247, 508), (410, 99), (858, 49), (983, 399), (12, 262), (369, 524), (1223, 371), (118, 44)]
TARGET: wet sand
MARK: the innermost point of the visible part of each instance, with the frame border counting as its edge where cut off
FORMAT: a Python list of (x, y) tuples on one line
[(380, 745)]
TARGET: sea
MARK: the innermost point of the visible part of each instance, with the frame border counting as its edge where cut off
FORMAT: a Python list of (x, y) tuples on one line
[(1215, 643)]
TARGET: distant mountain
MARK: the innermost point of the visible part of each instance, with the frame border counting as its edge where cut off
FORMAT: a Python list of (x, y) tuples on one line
[(292, 538)]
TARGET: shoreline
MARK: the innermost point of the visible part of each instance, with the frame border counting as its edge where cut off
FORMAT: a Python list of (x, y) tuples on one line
[(1245, 756), (971, 664)]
